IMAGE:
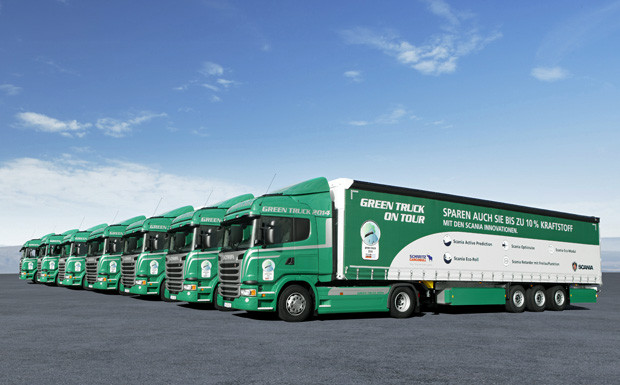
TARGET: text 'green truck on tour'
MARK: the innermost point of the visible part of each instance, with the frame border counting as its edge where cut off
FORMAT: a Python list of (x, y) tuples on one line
[(143, 263), (350, 246), (191, 262)]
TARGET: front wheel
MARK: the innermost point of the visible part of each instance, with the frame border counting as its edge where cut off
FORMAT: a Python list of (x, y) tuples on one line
[(403, 302), (515, 303), (214, 301), (294, 304), (162, 292)]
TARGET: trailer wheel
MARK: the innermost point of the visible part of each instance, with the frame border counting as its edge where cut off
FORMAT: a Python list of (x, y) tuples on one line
[(403, 302), (294, 304), (556, 298), (535, 298), (515, 303)]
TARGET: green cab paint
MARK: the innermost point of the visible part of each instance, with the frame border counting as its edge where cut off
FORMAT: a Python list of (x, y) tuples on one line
[(72, 262), (53, 248), (28, 260)]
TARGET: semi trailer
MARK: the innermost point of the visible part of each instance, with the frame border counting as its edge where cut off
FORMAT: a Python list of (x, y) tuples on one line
[(48, 272), (106, 271), (28, 259), (72, 266), (191, 262), (323, 247), (143, 263)]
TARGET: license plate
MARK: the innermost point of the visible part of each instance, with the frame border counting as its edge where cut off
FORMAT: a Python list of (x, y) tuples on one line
[(227, 304), (126, 290), (173, 297)]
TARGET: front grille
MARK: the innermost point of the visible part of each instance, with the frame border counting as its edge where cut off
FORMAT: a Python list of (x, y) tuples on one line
[(230, 274), (62, 265), (128, 269), (39, 262), (91, 269), (21, 260), (174, 272)]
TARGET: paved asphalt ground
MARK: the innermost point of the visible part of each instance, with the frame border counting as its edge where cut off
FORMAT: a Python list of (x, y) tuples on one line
[(55, 335)]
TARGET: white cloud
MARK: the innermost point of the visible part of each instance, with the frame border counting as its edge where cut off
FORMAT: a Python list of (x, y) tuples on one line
[(394, 116), (211, 69), (550, 74), (226, 83), (354, 76), (211, 87), (118, 129), (215, 99), (440, 54), (53, 195), (45, 123), (10, 89)]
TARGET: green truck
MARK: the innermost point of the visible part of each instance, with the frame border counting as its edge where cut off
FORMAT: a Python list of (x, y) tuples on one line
[(143, 263), (72, 263), (105, 271), (191, 262), (48, 271), (28, 260), (323, 247)]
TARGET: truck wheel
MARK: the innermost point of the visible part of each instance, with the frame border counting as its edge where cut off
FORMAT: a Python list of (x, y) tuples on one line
[(535, 298), (119, 287), (402, 302), (556, 298), (35, 279), (215, 305), (294, 304), (162, 292), (515, 303), (84, 283), (56, 280)]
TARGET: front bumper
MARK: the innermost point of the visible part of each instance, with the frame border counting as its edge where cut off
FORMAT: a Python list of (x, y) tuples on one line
[(264, 301), (151, 288), (106, 283), (27, 275), (73, 280), (48, 277)]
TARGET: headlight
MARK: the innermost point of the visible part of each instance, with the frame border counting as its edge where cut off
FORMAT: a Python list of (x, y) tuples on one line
[(101, 279), (140, 281), (189, 287), (248, 292)]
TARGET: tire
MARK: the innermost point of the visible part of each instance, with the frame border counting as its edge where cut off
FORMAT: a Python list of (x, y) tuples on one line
[(56, 280), (35, 277), (162, 292), (84, 283), (515, 303), (535, 298), (403, 302), (294, 304), (120, 288), (557, 299), (214, 301)]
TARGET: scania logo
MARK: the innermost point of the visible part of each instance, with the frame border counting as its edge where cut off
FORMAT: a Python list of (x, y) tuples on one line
[(582, 267)]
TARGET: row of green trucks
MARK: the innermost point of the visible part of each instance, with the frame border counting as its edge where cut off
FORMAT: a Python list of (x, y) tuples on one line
[(339, 246)]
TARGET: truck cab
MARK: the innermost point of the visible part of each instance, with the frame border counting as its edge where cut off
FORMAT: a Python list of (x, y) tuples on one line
[(274, 242), (191, 262), (72, 265), (28, 259), (108, 267), (53, 251), (143, 264)]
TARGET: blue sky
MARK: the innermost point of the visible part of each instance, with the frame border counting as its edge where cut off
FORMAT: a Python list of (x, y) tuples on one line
[(106, 107)]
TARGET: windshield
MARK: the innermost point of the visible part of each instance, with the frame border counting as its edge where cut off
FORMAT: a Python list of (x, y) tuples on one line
[(30, 252), (95, 247), (238, 235), (156, 241), (114, 246), (209, 237), (132, 244), (79, 248), (181, 240), (55, 250), (41, 251), (66, 249)]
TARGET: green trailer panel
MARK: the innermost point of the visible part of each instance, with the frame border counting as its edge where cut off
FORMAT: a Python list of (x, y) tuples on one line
[(582, 295), (473, 296)]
